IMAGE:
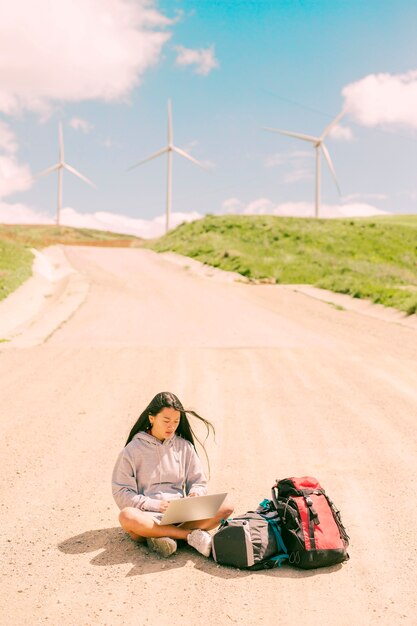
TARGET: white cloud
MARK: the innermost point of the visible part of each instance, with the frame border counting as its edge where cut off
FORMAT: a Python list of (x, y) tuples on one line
[(13, 176), (78, 124), (75, 50), (341, 132), (358, 209), (306, 209), (265, 206), (122, 224), (23, 214), (8, 141), (231, 206), (294, 209), (19, 213), (203, 59), (388, 100), (259, 207)]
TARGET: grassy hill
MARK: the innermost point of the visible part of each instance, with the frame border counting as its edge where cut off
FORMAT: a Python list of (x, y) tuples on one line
[(374, 258), (16, 240)]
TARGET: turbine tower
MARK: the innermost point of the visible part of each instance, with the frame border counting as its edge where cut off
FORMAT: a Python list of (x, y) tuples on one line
[(318, 143), (60, 166), (169, 149)]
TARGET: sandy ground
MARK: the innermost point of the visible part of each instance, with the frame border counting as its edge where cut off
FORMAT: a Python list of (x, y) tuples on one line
[(293, 385)]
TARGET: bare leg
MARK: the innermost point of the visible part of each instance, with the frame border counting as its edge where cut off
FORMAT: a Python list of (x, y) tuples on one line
[(139, 525)]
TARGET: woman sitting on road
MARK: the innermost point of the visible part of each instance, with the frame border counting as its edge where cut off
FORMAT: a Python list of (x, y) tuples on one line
[(159, 463)]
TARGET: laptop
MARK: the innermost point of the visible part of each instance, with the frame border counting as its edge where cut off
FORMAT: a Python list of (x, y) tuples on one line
[(191, 509)]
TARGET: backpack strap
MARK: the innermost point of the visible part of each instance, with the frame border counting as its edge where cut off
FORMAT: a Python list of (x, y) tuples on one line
[(276, 530), (313, 519), (279, 558)]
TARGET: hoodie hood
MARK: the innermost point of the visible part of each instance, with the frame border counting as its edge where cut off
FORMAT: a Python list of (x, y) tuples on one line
[(153, 441)]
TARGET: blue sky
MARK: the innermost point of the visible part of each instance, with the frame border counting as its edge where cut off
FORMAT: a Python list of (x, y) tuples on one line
[(106, 69)]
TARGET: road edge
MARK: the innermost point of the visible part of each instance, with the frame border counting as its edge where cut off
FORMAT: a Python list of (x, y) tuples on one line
[(54, 292), (337, 300)]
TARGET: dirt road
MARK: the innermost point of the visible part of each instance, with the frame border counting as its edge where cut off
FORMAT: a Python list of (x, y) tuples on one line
[(293, 386)]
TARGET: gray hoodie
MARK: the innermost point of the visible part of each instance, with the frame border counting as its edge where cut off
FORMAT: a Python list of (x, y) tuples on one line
[(148, 471)]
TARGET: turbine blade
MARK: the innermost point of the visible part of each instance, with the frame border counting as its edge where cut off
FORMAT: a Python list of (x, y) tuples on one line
[(149, 158), (332, 124), (296, 135), (48, 171), (187, 156), (170, 133), (76, 173), (330, 164), (61, 143)]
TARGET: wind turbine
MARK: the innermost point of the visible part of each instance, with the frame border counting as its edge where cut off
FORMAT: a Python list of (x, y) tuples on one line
[(169, 149), (60, 166), (318, 143)]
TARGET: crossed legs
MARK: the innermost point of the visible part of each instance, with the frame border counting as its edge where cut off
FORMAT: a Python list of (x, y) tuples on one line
[(139, 525)]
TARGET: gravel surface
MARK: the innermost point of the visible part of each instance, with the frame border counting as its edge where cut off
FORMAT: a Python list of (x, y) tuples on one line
[(293, 385)]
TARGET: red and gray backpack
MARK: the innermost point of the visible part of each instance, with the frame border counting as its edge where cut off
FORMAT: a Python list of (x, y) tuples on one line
[(311, 526)]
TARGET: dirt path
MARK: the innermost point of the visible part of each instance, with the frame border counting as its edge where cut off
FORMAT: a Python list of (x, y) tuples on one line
[(294, 387)]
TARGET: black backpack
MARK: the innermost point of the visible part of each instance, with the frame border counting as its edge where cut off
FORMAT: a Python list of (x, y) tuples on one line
[(250, 541), (311, 525)]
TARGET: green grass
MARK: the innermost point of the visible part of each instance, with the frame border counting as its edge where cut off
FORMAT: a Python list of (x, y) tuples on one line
[(373, 258), (15, 266), (16, 240)]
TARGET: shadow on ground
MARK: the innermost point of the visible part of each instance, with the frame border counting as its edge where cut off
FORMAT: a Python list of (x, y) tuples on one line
[(116, 548)]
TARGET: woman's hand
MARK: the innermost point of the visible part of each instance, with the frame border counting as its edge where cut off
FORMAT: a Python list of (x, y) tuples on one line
[(193, 495), (164, 505)]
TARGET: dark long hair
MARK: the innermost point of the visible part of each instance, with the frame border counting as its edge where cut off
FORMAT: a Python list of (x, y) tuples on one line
[(165, 399)]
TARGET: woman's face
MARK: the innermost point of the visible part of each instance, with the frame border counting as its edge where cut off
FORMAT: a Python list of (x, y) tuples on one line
[(164, 423)]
